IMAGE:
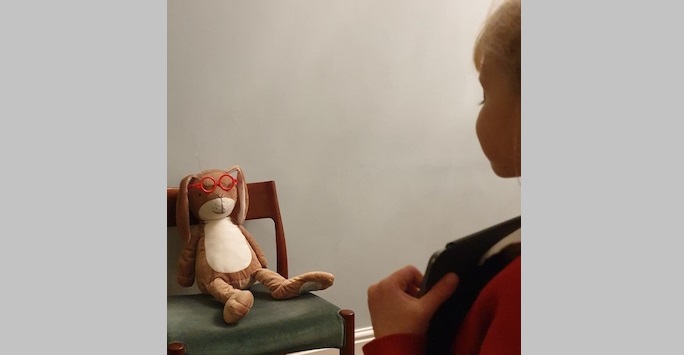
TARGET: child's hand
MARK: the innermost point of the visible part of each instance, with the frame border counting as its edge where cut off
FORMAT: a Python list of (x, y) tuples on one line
[(394, 306)]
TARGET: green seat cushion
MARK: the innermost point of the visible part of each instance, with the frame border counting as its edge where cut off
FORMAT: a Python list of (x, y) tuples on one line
[(271, 327)]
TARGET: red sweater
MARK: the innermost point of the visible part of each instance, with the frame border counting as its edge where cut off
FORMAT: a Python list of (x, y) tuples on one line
[(491, 327)]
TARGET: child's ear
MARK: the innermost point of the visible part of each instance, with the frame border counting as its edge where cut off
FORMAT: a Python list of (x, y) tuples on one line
[(517, 138)]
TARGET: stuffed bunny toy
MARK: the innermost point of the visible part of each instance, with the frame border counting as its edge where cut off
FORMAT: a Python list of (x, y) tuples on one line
[(220, 254)]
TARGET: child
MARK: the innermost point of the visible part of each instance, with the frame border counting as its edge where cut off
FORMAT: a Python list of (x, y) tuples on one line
[(492, 325)]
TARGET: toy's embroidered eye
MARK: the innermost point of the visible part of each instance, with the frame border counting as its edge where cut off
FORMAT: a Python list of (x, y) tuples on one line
[(227, 182), (208, 184)]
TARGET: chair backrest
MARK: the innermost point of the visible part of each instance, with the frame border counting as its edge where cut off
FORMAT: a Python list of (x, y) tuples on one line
[(263, 203)]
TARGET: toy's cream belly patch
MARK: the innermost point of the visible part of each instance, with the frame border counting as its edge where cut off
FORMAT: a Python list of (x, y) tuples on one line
[(226, 247)]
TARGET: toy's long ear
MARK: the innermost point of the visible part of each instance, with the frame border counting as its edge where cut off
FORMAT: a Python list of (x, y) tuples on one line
[(243, 196), (183, 209)]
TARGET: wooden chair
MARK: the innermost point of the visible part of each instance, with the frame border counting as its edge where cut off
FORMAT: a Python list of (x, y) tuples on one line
[(195, 325)]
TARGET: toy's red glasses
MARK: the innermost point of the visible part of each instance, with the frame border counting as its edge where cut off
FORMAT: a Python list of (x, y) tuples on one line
[(208, 184)]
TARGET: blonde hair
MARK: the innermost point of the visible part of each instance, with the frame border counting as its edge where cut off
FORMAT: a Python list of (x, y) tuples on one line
[(500, 39)]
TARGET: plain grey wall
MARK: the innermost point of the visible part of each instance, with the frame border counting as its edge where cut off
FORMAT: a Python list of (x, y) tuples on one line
[(363, 112)]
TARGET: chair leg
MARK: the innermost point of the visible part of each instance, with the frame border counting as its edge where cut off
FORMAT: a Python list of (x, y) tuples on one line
[(175, 348), (348, 316)]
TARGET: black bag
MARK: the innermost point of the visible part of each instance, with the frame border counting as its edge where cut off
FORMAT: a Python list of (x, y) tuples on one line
[(463, 256)]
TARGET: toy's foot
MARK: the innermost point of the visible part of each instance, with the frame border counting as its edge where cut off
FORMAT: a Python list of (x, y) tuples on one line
[(311, 281), (312, 286), (237, 306)]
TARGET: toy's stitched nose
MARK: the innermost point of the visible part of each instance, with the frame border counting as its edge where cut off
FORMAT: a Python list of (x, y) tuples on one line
[(221, 208)]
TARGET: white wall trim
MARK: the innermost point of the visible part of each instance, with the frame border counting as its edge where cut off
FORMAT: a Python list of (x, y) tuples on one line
[(362, 336)]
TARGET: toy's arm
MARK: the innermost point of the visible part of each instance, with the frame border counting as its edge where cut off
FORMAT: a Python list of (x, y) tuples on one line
[(257, 249), (186, 262)]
